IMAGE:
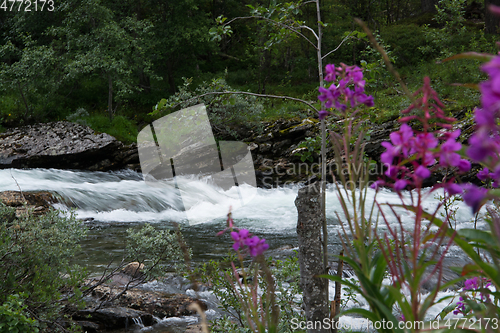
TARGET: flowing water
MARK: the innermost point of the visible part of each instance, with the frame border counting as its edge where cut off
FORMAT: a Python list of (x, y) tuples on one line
[(112, 202)]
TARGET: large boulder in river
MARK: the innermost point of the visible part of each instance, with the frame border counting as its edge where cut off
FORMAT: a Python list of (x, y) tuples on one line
[(63, 145)]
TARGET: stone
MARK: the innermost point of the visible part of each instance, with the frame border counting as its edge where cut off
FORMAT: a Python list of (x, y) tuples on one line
[(159, 304), (63, 145), (40, 201), (133, 269), (114, 317)]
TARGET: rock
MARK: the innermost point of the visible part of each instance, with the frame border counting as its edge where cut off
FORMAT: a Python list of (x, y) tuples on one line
[(88, 326), (40, 201), (63, 145), (115, 317), (159, 304), (133, 269)]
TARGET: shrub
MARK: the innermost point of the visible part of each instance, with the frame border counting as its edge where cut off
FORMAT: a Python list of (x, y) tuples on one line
[(36, 255), (13, 318)]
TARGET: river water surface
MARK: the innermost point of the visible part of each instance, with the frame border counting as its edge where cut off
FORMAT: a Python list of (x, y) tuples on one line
[(112, 202)]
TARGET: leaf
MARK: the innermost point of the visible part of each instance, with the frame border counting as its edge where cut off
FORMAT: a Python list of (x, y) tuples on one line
[(477, 235), (470, 55), (469, 268), (447, 310)]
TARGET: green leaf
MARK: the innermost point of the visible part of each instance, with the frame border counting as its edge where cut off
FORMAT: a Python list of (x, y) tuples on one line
[(477, 235)]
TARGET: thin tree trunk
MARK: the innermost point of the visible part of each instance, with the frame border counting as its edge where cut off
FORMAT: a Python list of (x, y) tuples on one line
[(25, 102), (110, 98), (428, 6), (323, 154), (491, 21)]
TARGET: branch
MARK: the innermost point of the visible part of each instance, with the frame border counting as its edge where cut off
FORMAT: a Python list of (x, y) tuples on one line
[(247, 93), (311, 30), (342, 42), (278, 23)]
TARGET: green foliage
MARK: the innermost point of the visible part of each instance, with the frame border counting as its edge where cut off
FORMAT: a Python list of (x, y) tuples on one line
[(286, 274), (159, 250), (36, 257), (312, 148), (225, 111), (120, 127), (450, 14), (13, 318)]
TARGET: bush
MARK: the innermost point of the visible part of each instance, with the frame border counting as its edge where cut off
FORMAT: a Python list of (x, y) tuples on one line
[(13, 318), (120, 127), (36, 255)]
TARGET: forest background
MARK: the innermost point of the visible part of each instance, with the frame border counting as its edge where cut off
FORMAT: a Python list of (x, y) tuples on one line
[(107, 63)]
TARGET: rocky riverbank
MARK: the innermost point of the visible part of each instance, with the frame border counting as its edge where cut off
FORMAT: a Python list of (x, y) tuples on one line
[(281, 153)]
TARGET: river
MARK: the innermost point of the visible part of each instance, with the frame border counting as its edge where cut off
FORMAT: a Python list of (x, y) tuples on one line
[(112, 202)]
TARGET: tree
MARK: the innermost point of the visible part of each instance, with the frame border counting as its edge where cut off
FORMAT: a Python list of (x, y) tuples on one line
[(429, 6), (94, 41), (491, 21)]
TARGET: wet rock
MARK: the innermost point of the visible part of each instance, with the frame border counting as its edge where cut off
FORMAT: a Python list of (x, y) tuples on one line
[(88, 326), (63, 145), (159, 304), (115, 317), (40, 202)]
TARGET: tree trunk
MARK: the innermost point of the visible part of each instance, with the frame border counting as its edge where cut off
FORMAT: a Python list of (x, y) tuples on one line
[(428, 6), (170, 77), (315, 289), (491, 21), (110, 98)]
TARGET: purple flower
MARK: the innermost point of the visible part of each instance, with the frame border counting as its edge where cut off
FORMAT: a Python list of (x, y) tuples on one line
[(484, 117), (471, 284), (256, 246), (239, 238), (474, 196), (350, 87), (453, 188), (401, 143), (330, 72), (422, 172), (484, 174), (481, 145), (376, 185), (400, 184), (447, 155), (323, 114), (243, 238)]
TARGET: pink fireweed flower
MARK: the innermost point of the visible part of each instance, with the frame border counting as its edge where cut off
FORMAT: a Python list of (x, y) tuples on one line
[(244, 239), (453, 188), (484, 174), (482, 145), (348, 92), (330, 73), (431, 106), (422, 149), (239, 238), (401, 143), (256, 246), (474, 196)]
